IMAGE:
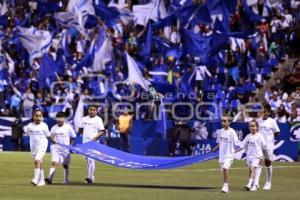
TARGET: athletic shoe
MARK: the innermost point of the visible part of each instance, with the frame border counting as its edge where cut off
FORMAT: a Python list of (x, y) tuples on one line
[(41, 184), (253, 188), (48, 180), (225, 189), (88, 180), (248, 188), (267, 186), (34, 182), (66, 182)]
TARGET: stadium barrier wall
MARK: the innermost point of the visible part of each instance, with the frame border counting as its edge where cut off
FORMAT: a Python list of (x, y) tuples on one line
[(147, 138)]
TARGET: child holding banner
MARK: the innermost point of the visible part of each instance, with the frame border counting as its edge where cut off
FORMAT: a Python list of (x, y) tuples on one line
[(227, 140), (62, 133), (91, 128)]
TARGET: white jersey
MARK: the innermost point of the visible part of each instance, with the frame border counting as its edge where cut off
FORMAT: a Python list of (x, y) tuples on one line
[(227, 140), (254, 146), (62, 135), (38, 134), (267, 128), (91, 127)]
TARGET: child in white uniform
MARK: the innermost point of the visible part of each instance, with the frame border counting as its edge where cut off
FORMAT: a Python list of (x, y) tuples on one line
[(61, 133), (91, 128), (254, 144), (227, 140), (268, 128), (38, 132)]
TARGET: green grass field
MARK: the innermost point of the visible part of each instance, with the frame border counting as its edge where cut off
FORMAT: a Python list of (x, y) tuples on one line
[(200, 181)]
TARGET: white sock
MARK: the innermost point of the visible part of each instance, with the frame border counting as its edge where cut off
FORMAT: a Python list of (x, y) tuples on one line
[(66, 175), (257, 175), (269, 173), (51, 173), (225, 185), (42, 177), (91, 168), (37, 172), (250, 182)]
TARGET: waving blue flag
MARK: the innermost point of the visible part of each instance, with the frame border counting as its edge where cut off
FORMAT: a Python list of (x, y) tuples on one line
[(48, 68), (168, 21), (88, 58), (44, 8), (195, 44), (122, 159), (147, 47), (252, 17), (108, 14), (202, 15)]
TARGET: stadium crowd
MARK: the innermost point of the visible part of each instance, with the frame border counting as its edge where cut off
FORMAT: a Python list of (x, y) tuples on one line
[(229, 54)]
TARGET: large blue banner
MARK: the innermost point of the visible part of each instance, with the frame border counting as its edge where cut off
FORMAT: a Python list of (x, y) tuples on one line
[(118, 158)]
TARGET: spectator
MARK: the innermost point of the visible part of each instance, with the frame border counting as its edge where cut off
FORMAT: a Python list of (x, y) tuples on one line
[(184, 138), (28, 102), (17, 134), (124, 127), (200, 131), (281, 115)]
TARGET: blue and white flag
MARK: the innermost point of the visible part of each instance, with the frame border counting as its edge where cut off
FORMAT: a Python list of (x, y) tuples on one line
[(35, 41), (3, 8), (146, 51), (79, 113), (103, 51), (81, 7), (154, 10), (122, 159), (135, 75), (161, 123), (159, 74)]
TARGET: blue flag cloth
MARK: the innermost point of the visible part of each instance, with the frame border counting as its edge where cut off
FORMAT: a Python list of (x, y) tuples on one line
[(108, 14), (251, 16), (195, 44), (194, 14), (122, 159), (147, 46), (168, 21), (47, 71)]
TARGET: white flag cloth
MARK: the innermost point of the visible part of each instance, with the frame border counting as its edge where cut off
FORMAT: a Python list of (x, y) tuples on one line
[(102, 55), (81, 9), (3, 8), (134, 74), (81, 6), (79, 113), (35, 41), (154, 10)]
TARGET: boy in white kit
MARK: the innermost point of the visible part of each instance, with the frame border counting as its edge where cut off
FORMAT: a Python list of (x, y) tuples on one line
[(227, 140), (255, 144), (268, 128), (91, 128), (38, 132), (61, 133)]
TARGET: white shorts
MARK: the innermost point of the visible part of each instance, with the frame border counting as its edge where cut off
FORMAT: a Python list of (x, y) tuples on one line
[(38, 154), (226, 163), (61, 157), (268, 154), (254, 162)]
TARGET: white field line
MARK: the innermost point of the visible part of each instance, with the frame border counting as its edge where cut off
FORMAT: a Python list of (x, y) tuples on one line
[(218, 169)]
